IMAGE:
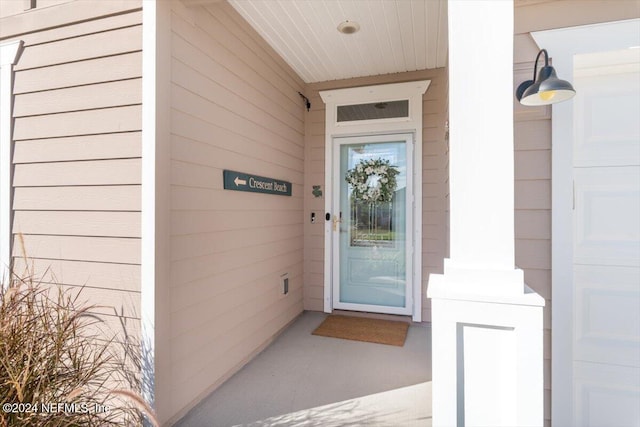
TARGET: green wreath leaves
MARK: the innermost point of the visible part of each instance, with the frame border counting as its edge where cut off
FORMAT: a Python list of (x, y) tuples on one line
[(373, 180)]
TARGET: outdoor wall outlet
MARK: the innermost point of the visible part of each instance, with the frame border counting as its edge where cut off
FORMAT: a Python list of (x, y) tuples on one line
[(284, 279)]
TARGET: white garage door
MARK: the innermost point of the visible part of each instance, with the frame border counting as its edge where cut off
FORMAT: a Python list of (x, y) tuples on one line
[(606, 221)]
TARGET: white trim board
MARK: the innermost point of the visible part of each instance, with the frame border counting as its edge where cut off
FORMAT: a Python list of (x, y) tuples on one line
[(154, 286), (411, 91), (9, 53), (563, 44)]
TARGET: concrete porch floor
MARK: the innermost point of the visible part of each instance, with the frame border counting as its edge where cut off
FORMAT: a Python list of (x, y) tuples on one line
[(306, 380)]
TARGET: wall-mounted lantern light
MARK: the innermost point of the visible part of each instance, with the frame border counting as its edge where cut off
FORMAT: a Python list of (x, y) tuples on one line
[(547, 89)]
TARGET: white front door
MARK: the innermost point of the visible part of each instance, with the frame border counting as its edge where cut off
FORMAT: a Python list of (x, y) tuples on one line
[(372, 223), (606, 242)]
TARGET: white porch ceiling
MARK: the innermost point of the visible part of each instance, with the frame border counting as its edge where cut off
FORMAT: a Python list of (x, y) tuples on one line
[(395, 35)]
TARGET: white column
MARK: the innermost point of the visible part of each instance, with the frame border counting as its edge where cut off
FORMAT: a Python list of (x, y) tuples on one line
[(9, 52), (487, 325), (481, 135), (481, 144)]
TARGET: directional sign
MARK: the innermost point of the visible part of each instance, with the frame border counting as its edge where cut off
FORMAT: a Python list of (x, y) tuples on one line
[(240, 181)]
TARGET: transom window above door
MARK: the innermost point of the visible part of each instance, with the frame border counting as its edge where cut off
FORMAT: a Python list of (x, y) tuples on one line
[(373, 111)]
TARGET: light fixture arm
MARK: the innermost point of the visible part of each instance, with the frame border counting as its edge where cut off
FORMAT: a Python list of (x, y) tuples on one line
[(307, 103), (546, 62)]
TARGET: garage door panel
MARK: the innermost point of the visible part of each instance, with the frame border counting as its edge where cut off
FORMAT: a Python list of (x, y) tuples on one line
[(608, 107), (607, 216), (606, 396), (607, 315)]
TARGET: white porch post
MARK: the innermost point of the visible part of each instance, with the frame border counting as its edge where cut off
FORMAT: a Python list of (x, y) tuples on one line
[(487, 325)]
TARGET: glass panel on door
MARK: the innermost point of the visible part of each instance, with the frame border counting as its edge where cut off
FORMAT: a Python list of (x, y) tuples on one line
[(373, 232)]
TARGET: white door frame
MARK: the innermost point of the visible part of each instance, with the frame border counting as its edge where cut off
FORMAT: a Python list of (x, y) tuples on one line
[(408, 138), (411, 91), (562, 45)]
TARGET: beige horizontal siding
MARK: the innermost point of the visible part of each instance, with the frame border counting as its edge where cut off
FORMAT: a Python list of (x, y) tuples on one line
[(73, 198), (106, 301), (242, 55), (10, 8), (435, 183), (83, 28), (90, 122), (107, 69), (86, 147), (185, 222), (202, 350), (77, 156), (91, 172), (266, 270), (114, 42), (234, 106), (106, 325), (211, 265), (533, 194), (533, 224), (205, 110), (314, 175), (80, 248), (274, 117), (194, 198), (120, 277), (241, 343), (533, 134), (247, 328), (202, 244), (533, 165), (216, 153), (243, 299), (99, 95), (78, 223), (61, 19)]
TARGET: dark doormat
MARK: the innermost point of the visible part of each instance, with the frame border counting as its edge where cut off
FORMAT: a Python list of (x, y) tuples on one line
[(379, 331)]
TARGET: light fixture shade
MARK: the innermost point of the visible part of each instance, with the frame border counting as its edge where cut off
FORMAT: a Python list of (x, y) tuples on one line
[(547, 88)]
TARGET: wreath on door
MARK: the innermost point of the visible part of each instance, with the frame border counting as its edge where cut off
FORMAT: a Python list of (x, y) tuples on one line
[(373, 180)]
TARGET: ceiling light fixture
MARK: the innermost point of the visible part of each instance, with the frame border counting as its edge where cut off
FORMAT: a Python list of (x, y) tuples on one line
[(349, 27), (547, 89)]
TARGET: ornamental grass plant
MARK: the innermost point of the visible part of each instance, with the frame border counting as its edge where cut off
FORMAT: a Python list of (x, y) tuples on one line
[(59, 365)]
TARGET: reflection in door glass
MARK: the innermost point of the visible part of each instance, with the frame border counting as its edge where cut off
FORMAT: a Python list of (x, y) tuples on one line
[(373, 232), (371, 223)]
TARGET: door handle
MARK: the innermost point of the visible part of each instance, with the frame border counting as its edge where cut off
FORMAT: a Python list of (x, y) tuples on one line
[(336, 221)]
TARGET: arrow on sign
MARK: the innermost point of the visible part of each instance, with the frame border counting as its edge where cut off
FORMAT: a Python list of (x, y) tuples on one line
[(239, 181)]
